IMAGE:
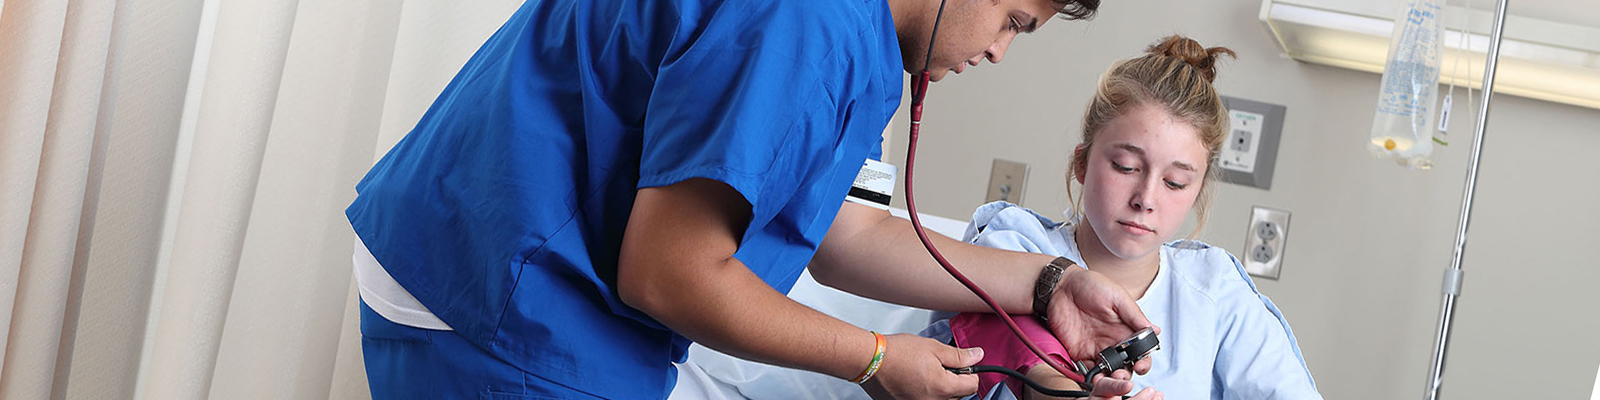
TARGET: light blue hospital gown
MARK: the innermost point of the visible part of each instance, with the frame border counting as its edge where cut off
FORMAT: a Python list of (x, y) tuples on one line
[(1220, 339)]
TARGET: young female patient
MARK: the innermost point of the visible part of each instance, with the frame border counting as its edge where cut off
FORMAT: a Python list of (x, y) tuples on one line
[(1150, 136)]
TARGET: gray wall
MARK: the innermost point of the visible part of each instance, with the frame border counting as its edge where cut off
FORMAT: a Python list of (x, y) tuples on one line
[(1368, 240)]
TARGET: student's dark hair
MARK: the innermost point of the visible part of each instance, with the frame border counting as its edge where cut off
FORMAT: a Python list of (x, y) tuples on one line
[(1076, 9)]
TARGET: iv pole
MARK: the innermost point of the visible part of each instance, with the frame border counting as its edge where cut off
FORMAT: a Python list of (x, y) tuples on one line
[(1452, 276)]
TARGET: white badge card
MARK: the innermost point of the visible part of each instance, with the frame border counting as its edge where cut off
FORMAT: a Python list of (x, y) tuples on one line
[(874, 186)]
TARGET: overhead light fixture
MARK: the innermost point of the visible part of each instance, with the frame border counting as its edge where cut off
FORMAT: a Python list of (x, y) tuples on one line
[(1539, 59)]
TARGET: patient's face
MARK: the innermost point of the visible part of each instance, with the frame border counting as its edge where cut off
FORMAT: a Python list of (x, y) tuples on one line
[(1142, 178)]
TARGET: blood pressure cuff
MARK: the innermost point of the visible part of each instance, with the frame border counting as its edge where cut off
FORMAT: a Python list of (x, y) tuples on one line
[(1001, 347)]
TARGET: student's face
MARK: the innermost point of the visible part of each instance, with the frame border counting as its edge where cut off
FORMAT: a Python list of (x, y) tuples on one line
[(1143, 174), (972, 31)]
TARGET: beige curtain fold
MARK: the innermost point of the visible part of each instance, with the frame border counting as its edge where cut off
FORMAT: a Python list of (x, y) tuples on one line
[(32, 40), (245, 66), (294, 268), (50, 248), (150, 55)]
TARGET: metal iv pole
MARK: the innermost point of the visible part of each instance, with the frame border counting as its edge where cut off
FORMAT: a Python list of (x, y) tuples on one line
[(1452, 276)]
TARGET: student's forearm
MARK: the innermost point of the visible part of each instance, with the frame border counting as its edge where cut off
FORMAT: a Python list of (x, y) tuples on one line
[(676, 265), (727, 308), (884, 259)]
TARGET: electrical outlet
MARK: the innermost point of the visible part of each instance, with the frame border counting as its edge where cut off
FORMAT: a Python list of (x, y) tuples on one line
[(1267, 230), (1264, 242), (1007, 179), (1251, 149), (1261, 253)]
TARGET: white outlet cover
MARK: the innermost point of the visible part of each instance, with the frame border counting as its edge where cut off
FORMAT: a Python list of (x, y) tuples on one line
[(1244, 139), (1264, 242)]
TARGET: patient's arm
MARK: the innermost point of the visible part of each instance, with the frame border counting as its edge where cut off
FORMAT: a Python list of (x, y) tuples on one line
[(871, 254), (1104, 389), (1050, 378)]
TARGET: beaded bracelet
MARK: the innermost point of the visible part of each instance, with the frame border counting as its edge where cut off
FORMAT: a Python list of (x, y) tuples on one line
[(877, 360)]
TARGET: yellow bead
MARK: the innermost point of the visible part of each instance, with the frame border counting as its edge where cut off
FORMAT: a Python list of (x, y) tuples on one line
[(1388, 144)]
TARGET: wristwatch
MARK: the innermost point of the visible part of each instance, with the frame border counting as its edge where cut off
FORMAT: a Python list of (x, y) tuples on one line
[(1046, 285)]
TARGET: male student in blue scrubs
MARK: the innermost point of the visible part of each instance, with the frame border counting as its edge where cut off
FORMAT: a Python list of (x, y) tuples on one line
[(607, 181)]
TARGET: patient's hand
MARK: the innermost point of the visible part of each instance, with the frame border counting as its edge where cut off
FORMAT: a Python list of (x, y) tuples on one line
[(1112, 387), (1090, 312)]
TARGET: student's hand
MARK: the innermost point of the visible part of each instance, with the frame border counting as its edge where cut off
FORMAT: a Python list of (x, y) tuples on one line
[(914, 368), (1090, 312)]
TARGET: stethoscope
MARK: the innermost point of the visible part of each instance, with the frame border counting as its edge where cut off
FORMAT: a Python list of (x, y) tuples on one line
[(1119, 356)]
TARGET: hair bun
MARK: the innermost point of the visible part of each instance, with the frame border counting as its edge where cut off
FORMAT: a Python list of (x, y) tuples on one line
[(1192, 53)]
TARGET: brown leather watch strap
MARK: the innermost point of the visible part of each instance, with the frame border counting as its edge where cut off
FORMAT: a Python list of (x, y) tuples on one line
[(1045, 287)]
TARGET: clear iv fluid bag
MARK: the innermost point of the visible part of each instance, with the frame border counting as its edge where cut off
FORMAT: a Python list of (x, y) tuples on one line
[(1402, 130)]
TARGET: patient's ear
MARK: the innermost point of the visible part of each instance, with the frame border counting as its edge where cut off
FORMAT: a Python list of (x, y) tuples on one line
[(1080, 162)]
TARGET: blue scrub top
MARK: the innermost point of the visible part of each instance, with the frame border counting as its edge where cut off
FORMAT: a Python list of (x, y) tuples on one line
[(503, 210)]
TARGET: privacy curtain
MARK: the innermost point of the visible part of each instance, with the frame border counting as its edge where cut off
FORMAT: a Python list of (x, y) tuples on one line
[(173, 175)]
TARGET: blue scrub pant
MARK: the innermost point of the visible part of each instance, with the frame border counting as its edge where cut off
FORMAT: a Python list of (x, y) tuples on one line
[(404, 362)]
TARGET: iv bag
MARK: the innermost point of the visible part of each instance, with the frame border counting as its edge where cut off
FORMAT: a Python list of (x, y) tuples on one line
[(1402, 130)]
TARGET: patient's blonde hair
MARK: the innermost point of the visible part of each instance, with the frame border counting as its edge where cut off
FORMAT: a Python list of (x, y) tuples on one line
[(1174, 74)]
